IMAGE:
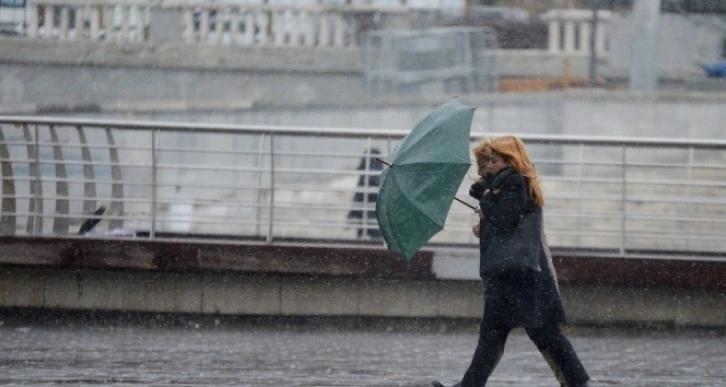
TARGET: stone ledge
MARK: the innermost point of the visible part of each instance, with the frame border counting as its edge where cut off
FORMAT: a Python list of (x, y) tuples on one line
[(594, 267), (180, 56), (171, 255)]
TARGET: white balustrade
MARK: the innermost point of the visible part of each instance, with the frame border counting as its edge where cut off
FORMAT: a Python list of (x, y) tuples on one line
[(204, 22), (278, 26), (211, 22), (119, 21), (570, 29)]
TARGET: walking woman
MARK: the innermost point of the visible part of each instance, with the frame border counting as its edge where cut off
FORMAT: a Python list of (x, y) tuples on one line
[(508, 189)]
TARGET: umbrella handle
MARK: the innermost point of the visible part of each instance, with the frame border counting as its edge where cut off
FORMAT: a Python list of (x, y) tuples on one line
[(465, 203)]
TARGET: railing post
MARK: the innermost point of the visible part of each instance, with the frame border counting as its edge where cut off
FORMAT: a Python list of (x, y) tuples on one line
[(154, 182), (259, 185), (689, 191), (8, 206), (579, 192), (38, 225), (272, 189), (117, 188), (37, 187), (366, 186), (623, 201)]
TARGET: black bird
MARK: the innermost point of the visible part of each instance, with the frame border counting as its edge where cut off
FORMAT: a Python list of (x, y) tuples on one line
[(91, 222)]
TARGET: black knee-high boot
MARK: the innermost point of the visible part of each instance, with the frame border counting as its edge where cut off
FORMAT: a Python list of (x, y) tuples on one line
[(560, 355), (486, 356)]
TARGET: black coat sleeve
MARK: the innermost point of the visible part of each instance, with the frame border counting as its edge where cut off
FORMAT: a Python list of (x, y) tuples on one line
[(477, 190), (504, 206), (480, 186)]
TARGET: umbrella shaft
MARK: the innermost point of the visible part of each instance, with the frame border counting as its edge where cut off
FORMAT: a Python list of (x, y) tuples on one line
[(464, 203), (384, 162)]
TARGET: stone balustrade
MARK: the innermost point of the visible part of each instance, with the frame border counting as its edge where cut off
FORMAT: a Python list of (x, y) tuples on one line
[(205, 22), (117, 20), (211, 22), (569, 32)]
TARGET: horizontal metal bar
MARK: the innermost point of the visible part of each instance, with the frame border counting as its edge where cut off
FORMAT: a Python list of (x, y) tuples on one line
[(353, 133)]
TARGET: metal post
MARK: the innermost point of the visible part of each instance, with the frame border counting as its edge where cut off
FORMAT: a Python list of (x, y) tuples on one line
[(366, 171), (37, 227), (259, 184), (623, 203), (272, 188), (154, 177), (579, 192), (691, 157)]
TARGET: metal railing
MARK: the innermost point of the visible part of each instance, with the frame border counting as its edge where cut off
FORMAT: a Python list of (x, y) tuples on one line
[(271, 184)]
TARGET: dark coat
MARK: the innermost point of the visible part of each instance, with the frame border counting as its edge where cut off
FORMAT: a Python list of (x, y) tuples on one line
[(521, 298)]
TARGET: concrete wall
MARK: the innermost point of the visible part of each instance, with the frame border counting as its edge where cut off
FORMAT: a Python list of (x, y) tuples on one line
[(57, 75), (300, 295), (51, 77)]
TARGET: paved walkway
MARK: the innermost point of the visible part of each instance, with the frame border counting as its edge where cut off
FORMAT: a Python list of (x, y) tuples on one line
[(243, 356)]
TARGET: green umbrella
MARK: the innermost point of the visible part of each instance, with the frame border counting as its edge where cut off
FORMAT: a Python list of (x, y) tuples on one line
[(424, 173)]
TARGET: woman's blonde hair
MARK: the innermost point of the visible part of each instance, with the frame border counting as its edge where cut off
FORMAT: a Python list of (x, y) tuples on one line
[(513, 151)]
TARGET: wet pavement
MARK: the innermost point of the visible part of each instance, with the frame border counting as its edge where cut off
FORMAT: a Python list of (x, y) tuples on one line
[(245, 356)]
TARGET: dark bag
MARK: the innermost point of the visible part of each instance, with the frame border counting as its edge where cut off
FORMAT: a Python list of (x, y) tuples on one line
[(517, 249)]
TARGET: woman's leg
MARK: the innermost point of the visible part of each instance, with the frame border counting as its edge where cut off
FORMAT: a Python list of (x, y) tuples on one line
[(559, 354), (486, 356)]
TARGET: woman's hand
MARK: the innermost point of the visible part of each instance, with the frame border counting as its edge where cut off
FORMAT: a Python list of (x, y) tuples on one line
[(476, 230)]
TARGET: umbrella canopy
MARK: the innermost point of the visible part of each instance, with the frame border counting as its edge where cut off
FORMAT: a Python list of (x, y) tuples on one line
[(424, 173)]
